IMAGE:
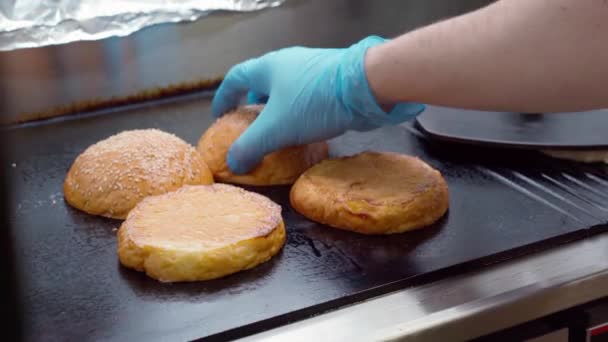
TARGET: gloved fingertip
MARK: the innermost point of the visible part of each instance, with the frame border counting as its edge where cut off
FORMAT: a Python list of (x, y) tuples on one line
[(223, 101), (217, 109), (236, 83), (240, 161)]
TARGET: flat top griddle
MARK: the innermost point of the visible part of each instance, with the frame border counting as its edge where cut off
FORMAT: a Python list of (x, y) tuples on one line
[(502, 205)]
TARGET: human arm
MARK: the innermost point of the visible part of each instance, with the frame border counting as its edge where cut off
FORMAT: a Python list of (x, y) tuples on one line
[(514, 55)]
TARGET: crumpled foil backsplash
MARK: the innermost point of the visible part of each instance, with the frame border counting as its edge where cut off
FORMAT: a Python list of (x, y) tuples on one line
[(26, 23)]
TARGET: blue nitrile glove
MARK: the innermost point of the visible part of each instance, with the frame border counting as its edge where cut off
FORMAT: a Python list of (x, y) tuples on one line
[(313, 95)]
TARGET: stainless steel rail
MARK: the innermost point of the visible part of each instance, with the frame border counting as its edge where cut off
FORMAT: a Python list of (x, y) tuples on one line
[(469, 305)]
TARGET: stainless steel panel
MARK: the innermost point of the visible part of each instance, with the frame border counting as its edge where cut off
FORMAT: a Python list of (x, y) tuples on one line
[(469, 305), (41, 82)]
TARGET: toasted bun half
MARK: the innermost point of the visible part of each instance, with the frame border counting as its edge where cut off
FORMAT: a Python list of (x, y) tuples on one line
[(372, 193), (200, 232)]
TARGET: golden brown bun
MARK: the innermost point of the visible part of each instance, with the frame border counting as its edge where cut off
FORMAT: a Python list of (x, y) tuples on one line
[(372, 193), (280, 167), (200, 232), (110, 177)]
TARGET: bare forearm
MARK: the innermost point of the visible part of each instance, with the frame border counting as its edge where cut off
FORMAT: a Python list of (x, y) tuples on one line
[(514, 55)]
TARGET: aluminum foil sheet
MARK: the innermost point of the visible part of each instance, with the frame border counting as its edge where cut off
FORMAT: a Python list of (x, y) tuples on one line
[(27, 23)]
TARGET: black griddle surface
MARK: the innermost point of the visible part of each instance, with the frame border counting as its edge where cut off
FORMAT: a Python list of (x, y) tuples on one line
[(502, 205), (584, 130)]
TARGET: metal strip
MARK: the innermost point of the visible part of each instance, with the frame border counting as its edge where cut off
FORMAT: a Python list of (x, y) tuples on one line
[(470, 305)]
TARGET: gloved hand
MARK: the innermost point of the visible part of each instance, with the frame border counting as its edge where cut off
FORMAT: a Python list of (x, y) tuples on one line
[(313, 95)]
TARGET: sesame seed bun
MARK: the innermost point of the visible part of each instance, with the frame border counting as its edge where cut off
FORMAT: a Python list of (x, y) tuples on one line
[(110, 177)]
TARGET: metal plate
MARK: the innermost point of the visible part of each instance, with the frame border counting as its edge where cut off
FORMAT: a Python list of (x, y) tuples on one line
[(501, 206), (584, 130)]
